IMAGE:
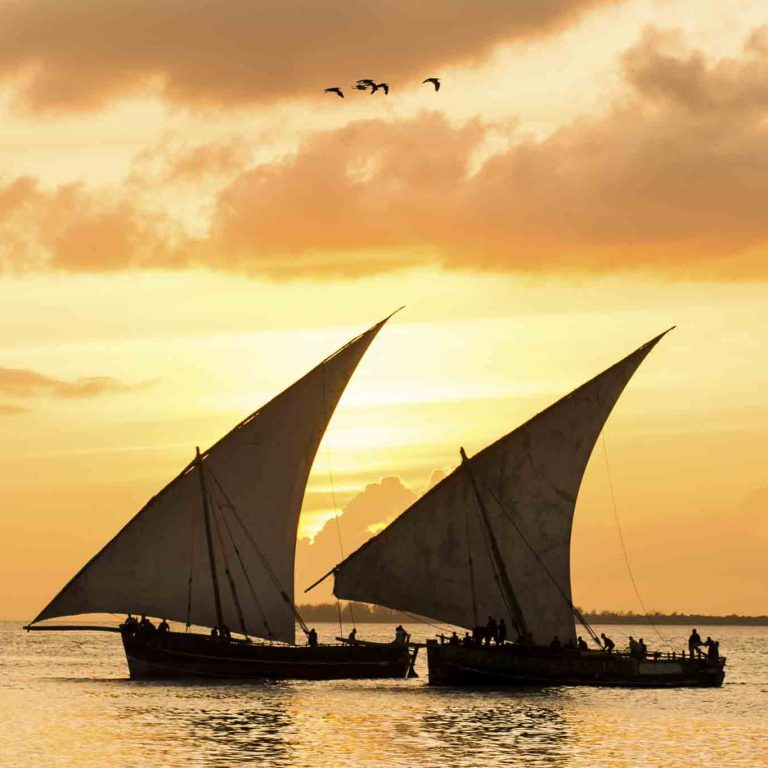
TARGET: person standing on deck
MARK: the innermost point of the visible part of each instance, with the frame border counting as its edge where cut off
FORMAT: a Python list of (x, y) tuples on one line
[(491, 631), (694, 643), (501, 632)]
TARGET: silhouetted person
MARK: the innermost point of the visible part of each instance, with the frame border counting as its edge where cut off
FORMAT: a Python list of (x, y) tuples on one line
[(713, 649), (634, 648), (570, 646), (224, 632), (491, 628), (312, 638), (352, 636), (454, 639), (131, 621), (643, 649), (478, 634), (214, 634), (608, 644), (556, 645), (146, 624), (501, 632), (434, 80), (694, 643), (582, 643), (163, 626), (401, 636), (467, 641)]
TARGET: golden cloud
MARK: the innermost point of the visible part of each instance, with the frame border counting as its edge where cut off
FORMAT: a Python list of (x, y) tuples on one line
[(72, 55), (673, 178), (23, 383)]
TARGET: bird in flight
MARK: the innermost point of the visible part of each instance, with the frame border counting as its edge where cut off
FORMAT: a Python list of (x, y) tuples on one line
[(434, 80), (383, 86), (337, 91), (363, 84)]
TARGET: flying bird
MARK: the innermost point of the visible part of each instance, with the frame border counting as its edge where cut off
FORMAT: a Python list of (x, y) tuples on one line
[(383, 86), (360, 87), (366, 84), (434, 80), (337, 91)]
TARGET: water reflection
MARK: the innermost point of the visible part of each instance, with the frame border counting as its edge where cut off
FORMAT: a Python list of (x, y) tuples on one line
[(497, 725)]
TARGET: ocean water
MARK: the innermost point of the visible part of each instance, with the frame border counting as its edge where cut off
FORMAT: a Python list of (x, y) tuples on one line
[(66, 700)]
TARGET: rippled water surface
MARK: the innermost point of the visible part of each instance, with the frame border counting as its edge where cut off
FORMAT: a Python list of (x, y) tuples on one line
[(65, 700)]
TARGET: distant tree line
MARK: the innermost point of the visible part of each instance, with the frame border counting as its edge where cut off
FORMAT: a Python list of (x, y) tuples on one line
[(362, 613)]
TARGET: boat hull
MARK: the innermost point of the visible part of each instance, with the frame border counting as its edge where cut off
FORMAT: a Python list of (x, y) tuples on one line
[(511, 665), (184, 654)]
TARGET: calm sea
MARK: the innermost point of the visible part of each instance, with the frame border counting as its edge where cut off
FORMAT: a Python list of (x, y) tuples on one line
[(65, 700)]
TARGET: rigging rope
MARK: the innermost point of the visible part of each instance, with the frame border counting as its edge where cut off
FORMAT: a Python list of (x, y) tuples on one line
[(192, 536), (576, 612), (260, 555), (337, 517), (624, 548), (471, 569), (227, 570)]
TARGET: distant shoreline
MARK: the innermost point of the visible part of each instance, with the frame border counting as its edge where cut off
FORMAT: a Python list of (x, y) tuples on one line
[(364, 614)]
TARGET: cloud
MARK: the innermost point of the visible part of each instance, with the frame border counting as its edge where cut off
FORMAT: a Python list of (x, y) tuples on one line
[(75, 55), (377, 505), (23, 383), (76, 228), (672, 179)]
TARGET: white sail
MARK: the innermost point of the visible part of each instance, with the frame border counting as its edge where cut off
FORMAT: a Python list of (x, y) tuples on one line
[(527, 482), (158, 564)]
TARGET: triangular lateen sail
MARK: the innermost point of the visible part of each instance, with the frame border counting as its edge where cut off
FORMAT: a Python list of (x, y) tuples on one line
[(256, 477), (528, 482)]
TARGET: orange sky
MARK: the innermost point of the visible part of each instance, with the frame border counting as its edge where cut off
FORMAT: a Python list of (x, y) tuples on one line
[(188, 224)]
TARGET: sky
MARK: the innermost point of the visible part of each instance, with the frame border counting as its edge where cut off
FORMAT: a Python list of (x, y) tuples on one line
[(188, 223)]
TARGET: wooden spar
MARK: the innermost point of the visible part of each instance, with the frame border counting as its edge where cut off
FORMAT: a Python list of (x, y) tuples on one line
[(70, 628), (209, 538), (516, 613), (320, 580)]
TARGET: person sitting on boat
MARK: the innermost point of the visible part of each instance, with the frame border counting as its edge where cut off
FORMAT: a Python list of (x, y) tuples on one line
[(713, 649), (643, 648), (570, 646), (491, 630), (582, 644), (694, 643), (214, 634), (352, 636), (556, 645), (608, 644), (634, 648), (467, 640), (501, 632), (453, 639), (163, 626), (130, 621), (312, 638)]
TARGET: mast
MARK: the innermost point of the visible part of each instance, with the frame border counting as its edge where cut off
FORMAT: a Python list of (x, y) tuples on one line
[(209, 537), (507, 592)]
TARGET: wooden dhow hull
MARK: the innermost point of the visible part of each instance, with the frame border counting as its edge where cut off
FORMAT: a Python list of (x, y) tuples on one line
[(156, 654), (511, 665)]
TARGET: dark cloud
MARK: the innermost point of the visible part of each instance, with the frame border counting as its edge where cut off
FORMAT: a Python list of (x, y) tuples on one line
[(23, 383), (80, 54)]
